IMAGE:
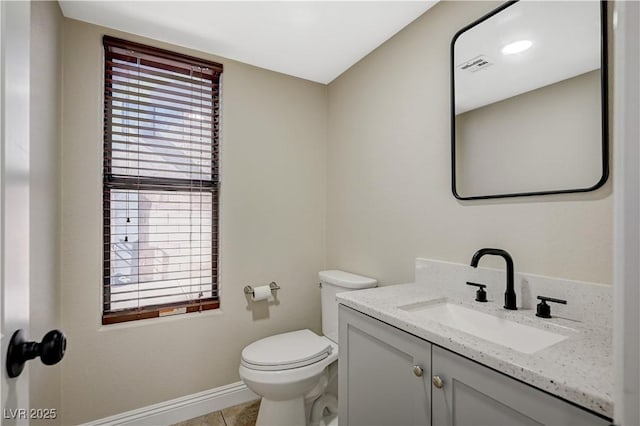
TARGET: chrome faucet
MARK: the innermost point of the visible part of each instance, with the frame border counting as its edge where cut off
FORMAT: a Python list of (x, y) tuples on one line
[(509, 294)]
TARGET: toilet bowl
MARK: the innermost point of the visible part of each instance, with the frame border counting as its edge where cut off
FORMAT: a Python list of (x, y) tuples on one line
[(285, 378), (290, 371)]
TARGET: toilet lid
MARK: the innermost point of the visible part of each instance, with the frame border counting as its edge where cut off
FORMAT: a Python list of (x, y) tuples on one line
[(285, 351)]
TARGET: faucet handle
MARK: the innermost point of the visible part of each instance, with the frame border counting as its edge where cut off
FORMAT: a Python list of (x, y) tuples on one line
[(543, 310), (481, 294)]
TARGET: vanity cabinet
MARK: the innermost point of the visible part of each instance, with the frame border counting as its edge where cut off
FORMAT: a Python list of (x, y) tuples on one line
[(390, 377)]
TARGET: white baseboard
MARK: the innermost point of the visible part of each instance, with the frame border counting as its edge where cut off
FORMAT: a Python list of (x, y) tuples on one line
[(181, 409)]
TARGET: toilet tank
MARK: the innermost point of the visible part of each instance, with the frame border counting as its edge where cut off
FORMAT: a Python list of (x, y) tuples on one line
[(333, 282)]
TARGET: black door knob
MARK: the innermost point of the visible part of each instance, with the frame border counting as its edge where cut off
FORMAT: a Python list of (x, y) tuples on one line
[(50, 350)]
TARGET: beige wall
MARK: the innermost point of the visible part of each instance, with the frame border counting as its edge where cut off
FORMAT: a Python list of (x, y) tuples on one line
[(44, 244), (272, 224), (547, 139), (388, 176)]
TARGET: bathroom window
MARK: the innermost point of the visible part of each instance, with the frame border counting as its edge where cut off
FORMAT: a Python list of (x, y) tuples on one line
[(161, 187)]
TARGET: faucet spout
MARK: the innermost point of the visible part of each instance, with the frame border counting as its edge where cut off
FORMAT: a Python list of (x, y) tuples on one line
[(510, 294)]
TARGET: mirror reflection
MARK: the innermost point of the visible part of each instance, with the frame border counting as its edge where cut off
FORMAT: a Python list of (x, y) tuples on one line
[(527, 101)]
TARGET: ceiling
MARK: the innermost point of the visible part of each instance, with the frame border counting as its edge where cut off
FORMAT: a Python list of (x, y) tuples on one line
[(566, 43), (314, 40)]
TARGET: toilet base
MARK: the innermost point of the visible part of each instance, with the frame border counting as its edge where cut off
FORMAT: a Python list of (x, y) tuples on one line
[(281, 413)]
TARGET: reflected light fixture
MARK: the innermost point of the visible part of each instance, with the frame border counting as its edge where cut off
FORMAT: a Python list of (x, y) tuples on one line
[(516, 47)]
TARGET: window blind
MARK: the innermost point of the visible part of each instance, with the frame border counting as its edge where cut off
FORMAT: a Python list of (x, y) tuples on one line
[(161, 182)]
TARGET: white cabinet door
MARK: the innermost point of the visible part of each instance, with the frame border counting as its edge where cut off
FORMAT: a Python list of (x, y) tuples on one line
[(384, 373), (473, 394)]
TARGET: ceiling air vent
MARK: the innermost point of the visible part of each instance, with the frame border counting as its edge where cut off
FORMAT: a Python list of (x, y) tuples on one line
[(475, 64)]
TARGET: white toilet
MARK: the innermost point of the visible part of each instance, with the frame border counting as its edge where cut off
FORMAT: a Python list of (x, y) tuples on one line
[(292, 370)]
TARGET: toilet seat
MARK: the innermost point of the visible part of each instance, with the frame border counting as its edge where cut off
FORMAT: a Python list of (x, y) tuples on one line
[(286, 351)]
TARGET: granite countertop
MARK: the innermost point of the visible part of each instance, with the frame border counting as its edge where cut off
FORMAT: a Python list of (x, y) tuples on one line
[(577, 369)]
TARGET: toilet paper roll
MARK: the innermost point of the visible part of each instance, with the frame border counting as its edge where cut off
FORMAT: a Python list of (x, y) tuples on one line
[(261, 293)]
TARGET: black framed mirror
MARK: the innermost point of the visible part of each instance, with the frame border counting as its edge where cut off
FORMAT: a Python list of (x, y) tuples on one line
[(529, 101)]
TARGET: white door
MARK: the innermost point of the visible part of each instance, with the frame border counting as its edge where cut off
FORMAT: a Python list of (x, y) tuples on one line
[(627, 214), (14, 197)]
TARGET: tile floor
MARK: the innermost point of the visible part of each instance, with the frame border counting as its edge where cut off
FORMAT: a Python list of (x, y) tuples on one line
[(238, 415)]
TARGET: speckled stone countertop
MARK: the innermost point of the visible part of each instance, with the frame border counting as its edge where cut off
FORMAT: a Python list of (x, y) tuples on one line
[(577, 369)]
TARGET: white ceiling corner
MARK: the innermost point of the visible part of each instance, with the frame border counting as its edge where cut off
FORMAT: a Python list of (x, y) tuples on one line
[(313, 40)]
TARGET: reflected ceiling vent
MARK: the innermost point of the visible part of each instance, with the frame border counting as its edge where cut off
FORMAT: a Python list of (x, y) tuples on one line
[(478, 63)]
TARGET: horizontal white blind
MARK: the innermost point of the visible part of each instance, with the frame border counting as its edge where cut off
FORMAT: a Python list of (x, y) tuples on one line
[(160, 196)]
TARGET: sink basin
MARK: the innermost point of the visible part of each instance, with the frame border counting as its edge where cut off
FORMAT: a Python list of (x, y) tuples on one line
[(519, 337)]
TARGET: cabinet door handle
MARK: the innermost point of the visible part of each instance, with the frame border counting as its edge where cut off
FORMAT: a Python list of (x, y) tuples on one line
[(437, 382), (417, 370)]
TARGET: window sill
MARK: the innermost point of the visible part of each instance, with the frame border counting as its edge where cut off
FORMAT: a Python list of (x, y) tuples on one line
[(158, 319)]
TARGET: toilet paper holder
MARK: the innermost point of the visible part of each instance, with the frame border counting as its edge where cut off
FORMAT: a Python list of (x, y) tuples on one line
[(272, 285)]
